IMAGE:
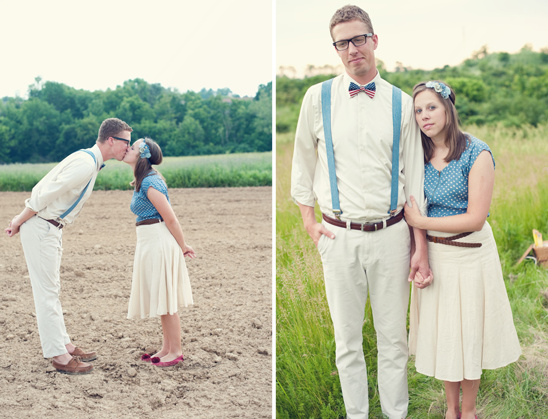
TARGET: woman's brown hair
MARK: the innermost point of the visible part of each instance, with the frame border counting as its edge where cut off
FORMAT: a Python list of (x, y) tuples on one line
[(456, 140), (144, 165)]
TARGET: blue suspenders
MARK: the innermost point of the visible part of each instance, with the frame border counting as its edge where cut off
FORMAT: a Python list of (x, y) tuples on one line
[(396, 122), (326, 115), (67, 212), (396, 129)]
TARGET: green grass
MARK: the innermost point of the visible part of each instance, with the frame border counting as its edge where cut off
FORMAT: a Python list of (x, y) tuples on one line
[(227, 170), (307, 385)]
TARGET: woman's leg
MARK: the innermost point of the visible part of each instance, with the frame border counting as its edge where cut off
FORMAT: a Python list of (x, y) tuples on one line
[(171, 327), (452, 393), (165, 342), (469, 394)]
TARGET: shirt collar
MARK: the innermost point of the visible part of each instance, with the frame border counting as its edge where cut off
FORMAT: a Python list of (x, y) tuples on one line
[(348, 79), (98, 156)]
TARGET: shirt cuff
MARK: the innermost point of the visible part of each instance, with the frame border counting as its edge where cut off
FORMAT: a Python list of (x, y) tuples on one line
[(29, 205)]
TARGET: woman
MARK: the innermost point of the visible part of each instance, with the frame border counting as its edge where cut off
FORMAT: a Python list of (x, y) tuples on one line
[(462, 322), (160, 281)]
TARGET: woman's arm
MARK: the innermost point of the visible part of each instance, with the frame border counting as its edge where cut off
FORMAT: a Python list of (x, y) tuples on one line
[(161, 204), (480, 192)]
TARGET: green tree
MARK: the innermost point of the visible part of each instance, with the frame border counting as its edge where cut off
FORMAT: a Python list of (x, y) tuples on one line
[(189, 139), (133, 110), (40, 130)]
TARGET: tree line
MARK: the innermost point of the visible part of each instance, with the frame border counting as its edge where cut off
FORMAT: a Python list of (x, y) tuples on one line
[(491, 88), (57, 119)]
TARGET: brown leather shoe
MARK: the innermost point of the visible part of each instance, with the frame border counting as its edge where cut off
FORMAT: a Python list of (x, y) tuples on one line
[(74, 367), (84, 356)]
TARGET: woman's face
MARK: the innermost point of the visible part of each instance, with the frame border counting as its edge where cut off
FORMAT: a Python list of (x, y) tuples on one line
[(133, 154), (430, 114)]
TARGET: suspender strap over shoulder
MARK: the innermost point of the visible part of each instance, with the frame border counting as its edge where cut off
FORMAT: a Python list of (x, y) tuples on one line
[(326, 115), (396, 128), (67, 212)]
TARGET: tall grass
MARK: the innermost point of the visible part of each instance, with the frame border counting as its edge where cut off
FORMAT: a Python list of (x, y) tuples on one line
[(227, 170), (307, 385)]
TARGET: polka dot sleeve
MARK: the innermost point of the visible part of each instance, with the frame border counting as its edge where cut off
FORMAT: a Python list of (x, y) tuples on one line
[(474, 149), (154, 181), (446, 191), (140, 204)]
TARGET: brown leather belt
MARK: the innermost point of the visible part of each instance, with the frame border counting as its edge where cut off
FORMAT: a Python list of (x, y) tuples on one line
[(365, 226), (55, 223), (149, 221), (449, 240)]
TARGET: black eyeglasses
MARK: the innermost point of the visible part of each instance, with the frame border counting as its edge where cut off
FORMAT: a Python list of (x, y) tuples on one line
[(357, 41), (121, 139)]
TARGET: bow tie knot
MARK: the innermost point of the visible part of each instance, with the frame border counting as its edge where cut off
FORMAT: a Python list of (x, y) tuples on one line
[(369, 90)]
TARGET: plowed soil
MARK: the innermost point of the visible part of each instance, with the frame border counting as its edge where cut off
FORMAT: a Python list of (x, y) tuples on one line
[(226, 334)]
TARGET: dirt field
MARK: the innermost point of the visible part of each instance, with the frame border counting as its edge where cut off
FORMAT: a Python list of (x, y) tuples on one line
[(227, 333)]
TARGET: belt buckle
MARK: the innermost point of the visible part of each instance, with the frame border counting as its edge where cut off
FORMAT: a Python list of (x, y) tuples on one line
[(363, 225)]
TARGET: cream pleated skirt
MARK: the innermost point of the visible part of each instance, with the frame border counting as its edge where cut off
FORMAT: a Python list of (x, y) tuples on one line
[(462, 323), (160, 281)]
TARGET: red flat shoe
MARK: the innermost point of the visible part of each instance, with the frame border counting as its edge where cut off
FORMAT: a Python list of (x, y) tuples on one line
[(146, 358), (156, 361)]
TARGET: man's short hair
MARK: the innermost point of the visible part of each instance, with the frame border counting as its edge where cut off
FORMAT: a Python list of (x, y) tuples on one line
[(348, 13), (111, 127)]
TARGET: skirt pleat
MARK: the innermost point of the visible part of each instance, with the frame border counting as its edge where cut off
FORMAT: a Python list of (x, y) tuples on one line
[(160, 282), (462, 323)]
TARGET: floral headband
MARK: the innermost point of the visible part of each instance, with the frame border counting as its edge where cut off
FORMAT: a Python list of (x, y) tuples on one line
[(144, 150), (439, 87)]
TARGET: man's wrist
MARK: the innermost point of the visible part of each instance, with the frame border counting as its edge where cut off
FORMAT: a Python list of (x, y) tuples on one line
[(420, 240)]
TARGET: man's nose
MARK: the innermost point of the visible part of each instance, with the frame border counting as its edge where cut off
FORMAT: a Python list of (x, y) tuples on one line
[(352, 49)]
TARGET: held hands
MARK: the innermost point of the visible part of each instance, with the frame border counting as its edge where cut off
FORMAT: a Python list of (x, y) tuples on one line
[(420, 271), (412, 214), (421, 282)]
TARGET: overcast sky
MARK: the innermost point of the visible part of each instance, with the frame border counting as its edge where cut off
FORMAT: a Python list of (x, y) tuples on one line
[(215, 44), (99, 44), (424, 34)]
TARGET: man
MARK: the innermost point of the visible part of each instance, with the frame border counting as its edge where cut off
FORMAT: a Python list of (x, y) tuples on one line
[(363, 247), (55, 202)]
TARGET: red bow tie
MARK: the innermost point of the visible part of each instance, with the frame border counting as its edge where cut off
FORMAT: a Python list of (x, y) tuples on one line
[(369, 90)]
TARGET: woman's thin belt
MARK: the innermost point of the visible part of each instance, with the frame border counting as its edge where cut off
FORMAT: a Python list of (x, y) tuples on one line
[(450, 240), (149, 221)]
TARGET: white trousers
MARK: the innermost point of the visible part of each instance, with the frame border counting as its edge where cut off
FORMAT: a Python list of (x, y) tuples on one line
[(354, 263), (42, 244)]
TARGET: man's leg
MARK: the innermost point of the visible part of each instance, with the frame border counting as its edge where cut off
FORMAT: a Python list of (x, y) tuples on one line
[(346, 290), (389, 293), (43, 249)]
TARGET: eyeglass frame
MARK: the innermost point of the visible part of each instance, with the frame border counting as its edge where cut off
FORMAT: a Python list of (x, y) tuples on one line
[(120, 139), (367, 35)]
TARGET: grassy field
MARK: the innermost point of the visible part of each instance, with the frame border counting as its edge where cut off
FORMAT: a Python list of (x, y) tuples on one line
[(227, 170), (307, 385)]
